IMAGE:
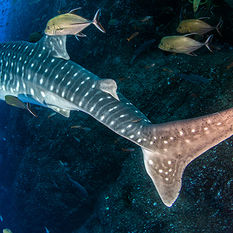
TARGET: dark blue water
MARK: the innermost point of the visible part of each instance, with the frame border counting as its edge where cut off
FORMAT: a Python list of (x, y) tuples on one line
[(97, 182)]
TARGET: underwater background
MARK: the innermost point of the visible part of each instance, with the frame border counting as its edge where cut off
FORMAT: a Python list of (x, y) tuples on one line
[(58, 178)]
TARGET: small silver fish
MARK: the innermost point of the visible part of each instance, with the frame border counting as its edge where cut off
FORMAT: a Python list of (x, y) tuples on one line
[(71, 24), (182, 44), (52, 114), (197, 26), (81, 127)]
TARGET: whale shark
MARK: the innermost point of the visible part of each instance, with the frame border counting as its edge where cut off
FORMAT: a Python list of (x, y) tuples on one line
[(43, 74)]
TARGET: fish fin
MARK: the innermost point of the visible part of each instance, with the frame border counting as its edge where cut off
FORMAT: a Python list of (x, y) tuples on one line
[(176, 144), (80, 34), (63, 112), (15, 102), (192, 54), (56, 45), (75, 10), (207, 43), (96, 21), (30, 110), (219, 25), (109, 86), (205, 30), (190, 34), (201, 18)]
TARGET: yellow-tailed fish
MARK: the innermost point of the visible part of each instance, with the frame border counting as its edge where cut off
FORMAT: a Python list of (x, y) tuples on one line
[(197, 26), (182, 44), (71, 24)]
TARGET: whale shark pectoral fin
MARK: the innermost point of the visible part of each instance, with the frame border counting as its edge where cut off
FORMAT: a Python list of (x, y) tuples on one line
[(63, 112), (172, 146), (109, 86), (56, 45)]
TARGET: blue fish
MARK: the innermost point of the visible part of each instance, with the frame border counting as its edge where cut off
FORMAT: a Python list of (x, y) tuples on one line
[(43, 74)]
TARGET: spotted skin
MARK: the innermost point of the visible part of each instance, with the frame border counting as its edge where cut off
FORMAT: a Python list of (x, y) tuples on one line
[(42, 74)]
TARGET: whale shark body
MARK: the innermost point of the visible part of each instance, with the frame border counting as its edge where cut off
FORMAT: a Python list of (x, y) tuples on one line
[(43, 74)]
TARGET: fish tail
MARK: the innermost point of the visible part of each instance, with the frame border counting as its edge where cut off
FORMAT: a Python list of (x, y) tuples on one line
[(96, 21), (171, 147), (207, 43), (219, 25)]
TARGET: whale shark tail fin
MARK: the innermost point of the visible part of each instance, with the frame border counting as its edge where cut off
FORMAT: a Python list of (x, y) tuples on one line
[(174, 145)]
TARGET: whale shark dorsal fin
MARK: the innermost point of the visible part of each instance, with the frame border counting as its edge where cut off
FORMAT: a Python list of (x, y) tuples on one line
[(56, 45), (108, 86), (172, 146)]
